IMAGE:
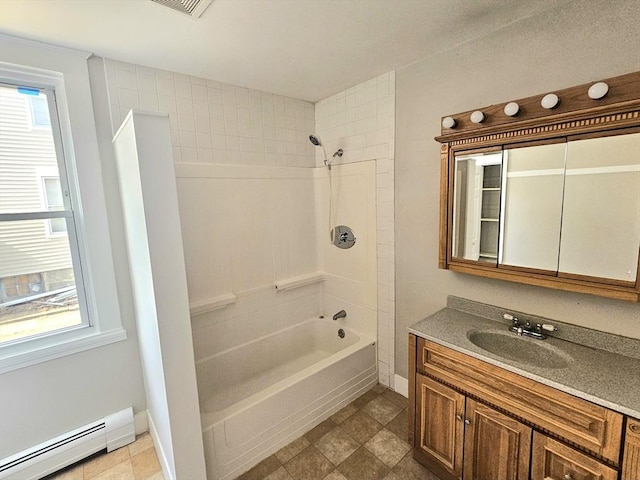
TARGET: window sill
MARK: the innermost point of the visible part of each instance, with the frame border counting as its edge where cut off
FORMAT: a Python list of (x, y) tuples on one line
[(14, 357)]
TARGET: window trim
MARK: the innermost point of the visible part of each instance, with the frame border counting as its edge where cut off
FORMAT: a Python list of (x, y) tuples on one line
[(43, 66)]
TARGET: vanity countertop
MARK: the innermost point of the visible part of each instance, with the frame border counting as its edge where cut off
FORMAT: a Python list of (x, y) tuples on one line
[(603, 377)]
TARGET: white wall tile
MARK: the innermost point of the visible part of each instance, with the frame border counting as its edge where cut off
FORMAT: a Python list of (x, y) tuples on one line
[(232, 111)]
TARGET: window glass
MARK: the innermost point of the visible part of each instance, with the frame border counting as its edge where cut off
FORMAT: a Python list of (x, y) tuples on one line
[(39, 263)]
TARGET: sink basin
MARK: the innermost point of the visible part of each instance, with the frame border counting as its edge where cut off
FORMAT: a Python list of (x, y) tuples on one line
[(524, 350)]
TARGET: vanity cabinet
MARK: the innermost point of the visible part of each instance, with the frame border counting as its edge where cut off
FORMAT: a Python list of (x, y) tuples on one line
[(459, 434), (631, 457), (472, 420)]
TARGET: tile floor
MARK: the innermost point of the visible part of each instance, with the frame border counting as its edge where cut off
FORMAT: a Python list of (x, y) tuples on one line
[(136, 461), (366, 440)]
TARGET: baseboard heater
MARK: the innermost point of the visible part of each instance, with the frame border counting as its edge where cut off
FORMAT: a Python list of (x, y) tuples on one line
[(110, 433)]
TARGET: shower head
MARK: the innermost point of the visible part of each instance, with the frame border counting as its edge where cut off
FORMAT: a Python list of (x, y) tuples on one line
[(315, 140)]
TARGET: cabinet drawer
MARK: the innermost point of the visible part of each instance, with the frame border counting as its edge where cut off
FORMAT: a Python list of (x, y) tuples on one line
[(592, 427), (551, 460)]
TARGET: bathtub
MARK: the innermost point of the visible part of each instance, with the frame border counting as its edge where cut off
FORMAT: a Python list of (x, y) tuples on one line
[(259, 396)]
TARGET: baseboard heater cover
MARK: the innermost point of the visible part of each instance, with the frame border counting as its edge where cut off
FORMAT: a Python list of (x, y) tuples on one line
[(111, 432)]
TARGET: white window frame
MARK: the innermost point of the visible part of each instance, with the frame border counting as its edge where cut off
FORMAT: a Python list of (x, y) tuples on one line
[(32, 64)]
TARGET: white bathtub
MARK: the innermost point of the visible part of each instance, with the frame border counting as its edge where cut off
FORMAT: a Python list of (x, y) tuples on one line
[(259, 396)]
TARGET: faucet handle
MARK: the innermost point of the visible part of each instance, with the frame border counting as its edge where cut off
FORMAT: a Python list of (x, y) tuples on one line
[(548, 327), (515, 320)]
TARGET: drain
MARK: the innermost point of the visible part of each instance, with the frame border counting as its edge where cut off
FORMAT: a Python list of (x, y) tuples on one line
[(341, 333)]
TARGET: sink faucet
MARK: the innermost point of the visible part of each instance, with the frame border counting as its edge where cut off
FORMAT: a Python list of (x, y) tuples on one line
[(340, 314), (527, 329)]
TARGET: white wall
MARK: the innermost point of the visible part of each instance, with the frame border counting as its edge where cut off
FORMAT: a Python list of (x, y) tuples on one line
[(51, 398), (361, 121), (244, 229), (575, 44)]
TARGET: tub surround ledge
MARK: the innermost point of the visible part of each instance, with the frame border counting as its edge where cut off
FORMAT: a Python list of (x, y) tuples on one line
[(605, 368)]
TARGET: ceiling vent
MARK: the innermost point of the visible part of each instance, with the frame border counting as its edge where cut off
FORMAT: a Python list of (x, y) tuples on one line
[(193, 8)]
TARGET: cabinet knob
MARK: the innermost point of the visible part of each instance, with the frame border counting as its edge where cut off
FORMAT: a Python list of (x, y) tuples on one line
[(568, 476), (467, 421), (458, 417)]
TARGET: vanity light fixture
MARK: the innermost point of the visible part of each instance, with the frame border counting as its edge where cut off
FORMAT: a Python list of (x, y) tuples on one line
[(477, 117), (598, 90), (511, 109), (549, 101), (449, 122)]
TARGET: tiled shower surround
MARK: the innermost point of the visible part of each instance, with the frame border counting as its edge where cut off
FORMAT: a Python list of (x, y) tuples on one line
[(216, 123), (361, 121)]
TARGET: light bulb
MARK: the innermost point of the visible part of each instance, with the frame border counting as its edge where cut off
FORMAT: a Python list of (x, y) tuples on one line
[(449, 122), (550, 101), (598, 90), (477, 117), (511, 109)]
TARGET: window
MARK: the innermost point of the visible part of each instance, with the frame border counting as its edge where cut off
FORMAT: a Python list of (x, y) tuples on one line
[(41, 287), (59, 188), (52, 193), (39, 108)]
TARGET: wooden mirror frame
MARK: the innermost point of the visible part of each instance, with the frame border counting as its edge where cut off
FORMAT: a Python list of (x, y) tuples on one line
[(576, 114)]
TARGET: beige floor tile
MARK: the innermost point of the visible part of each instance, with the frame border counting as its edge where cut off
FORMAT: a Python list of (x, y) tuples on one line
[(343, 414), (362, 465), (279, 474), (122, 471), (145, 464), (264, 468), (400, 425), (409, 469), (104, 462), (309, 465), (388, 447), (361, 427), (142, 443), (337, 445), (392, 476), (294, 448), (157, 476), (382, 410), (362, 400), (319, 431), (379, 389), (335, 475), (396, 398)]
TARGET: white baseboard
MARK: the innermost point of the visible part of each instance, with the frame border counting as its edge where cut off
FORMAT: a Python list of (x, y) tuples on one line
[(141, 422), (401, 385), (167, 471)]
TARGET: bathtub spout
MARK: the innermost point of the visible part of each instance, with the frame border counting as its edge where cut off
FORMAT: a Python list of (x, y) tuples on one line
[(340, 314)]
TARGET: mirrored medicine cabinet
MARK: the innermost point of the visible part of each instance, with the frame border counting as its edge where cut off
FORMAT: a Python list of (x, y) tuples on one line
[(549, 197)]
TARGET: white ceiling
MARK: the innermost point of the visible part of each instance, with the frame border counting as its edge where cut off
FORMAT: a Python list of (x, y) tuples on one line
[(307, 49)]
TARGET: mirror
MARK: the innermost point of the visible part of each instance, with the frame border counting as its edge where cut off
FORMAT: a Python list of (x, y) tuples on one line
[(568, 208), (476, 206), (534, 182), (601, 218)]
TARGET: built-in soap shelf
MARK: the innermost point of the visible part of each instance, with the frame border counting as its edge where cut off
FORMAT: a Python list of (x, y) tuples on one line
[(211, 304), (296, 282)]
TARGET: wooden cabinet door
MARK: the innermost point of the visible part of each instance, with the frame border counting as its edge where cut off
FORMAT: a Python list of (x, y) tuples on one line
[(439, 425), (552, 460), (631, 456), (496, 447)]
